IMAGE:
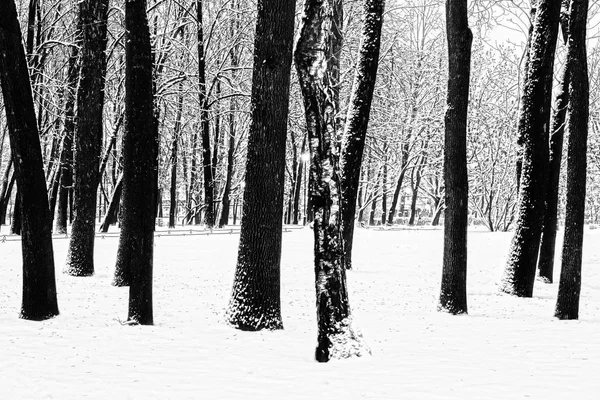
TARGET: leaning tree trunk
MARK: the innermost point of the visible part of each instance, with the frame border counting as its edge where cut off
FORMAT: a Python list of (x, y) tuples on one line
[(39, 285), (88, 135), (336, 338), (111, 216), (255, 301), (557, 130), (298, 185), (519, 274), (453, 294), (569, 288), (358, 118), (138, 164)]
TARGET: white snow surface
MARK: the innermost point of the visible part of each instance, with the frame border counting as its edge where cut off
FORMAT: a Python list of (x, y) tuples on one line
[(505, 348)]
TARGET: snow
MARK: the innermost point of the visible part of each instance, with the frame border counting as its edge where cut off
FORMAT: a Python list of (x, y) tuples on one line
[(505, 348)]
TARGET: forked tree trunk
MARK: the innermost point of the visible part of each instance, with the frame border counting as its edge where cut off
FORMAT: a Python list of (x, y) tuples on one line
[(88, 136), (139, 159), (39, 285), (255, 300), (557, 130), (453, 294), (336, 338), (357, 119), (519, 274), (569, 288)]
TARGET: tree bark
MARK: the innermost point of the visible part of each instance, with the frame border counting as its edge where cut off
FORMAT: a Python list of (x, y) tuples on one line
[(207, 168), (557, 130), (336, 338), (39, 285), (65, 191), (453, 294), (88, 136), (255, 301), (139, 158), (174, 150), (111, 216), (519, 274), (569, 288), (357, 119)]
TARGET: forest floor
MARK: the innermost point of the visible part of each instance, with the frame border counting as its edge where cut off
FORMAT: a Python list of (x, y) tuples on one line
[(506, 348)]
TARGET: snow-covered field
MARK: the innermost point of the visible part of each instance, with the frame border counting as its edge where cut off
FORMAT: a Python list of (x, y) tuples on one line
[(506, 348)]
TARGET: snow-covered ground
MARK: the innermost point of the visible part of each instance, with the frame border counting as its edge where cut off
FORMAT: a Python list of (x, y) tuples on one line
[(506, 348)]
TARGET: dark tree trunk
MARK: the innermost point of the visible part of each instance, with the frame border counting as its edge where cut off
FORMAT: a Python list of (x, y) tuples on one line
[(416, 184), (453, 294), (207, 168), (8, 182), (39, 285), (358, 118), (234, 57), (557, 130), (139, 159), (174, 150), (569, 288), (229, 175), (519, 274), (15, 227), (255, 301), (111, 216), (65, 191), (298, 185), (88, 136), (336, 338), (384, 176)]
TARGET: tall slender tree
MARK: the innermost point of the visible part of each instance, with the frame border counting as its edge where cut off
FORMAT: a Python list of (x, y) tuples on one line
[(569, 288), (207, 168), (93, 16), (519, 274), (65, 190), (357, 119), (139, 155), (453, 295), (255, 301), (557, 130), (39, 285)]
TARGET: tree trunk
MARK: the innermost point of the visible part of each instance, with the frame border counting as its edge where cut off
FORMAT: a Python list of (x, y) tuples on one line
[(39, 285), (139, 159), (7, 184), (357, 119), (557, 130), (255, 301), (88, 136), (65, 191), (453, 294), (519, 274), (336, 338), (569, 288), (207, 167), (15, 227), (111, 216), (298, 184), (416, 184), (234, 58), (174, 150)]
